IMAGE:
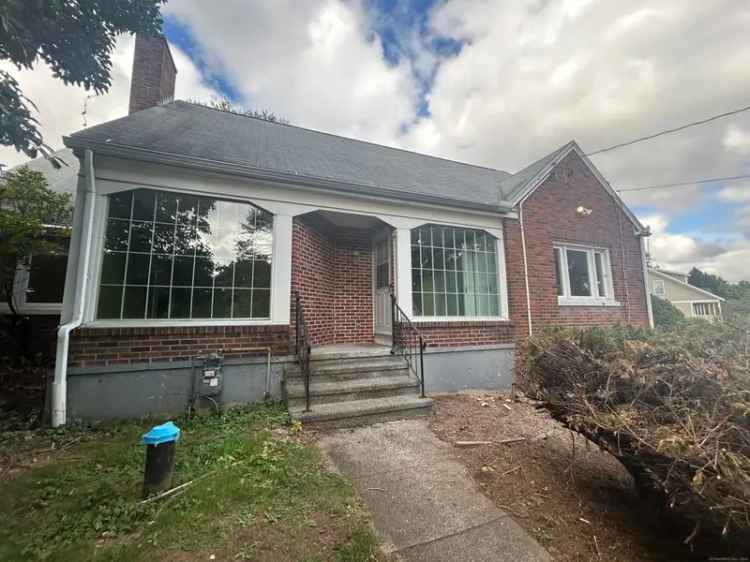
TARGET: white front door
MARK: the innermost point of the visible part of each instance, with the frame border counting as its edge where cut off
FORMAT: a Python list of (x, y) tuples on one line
[(381, 277)]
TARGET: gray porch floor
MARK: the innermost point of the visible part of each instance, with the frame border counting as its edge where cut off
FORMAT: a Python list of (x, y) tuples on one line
[(349, 350)]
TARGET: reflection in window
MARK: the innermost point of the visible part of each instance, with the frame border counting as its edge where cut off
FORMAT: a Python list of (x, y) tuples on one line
[(176, 256), (454, 272)]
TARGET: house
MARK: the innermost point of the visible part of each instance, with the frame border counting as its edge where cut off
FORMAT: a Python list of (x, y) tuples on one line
[(692, 301), (200, 231), (38, 282)]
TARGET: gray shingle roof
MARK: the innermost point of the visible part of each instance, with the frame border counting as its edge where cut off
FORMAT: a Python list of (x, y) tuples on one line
[(186, 129), (512, 186)]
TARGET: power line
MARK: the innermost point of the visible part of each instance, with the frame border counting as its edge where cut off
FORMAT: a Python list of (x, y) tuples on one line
[(680, 184), (670, 131)]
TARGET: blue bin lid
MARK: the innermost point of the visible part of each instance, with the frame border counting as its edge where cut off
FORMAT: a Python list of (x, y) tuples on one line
[(159, 434)]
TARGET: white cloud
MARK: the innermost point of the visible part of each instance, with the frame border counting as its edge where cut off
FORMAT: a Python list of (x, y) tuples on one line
[(737, 140), (735, 194), (60, 107), (315, 63)]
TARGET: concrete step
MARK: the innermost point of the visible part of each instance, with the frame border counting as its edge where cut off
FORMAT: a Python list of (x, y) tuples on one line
[(362, 412), (342, 377), (350, 390), (350, 366)]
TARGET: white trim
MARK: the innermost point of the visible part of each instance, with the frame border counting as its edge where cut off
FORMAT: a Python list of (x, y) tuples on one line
[(198, 323), (586, 301), (566, 299), (403, 270), (699, 301), (460, 319)]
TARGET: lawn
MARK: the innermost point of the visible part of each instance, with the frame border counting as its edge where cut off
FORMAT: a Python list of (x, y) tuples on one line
[(259, 493)]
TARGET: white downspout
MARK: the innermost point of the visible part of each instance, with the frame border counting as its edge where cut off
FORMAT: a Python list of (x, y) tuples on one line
[(649, 308), (60, 382), (525, 267)]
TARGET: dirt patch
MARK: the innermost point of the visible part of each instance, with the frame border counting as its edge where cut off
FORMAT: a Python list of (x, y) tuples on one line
[(582, 510)]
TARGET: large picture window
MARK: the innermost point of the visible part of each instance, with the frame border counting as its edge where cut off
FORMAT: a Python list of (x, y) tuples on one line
[(583, 275), (454, 272), (177, 256)]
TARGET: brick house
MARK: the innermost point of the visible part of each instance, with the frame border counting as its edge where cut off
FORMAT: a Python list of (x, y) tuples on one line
[(198, 231)]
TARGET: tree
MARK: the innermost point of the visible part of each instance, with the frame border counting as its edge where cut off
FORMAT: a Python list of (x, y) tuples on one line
[(27, 208), (75, 38), (712, 283), (226, 105), (666, 315)]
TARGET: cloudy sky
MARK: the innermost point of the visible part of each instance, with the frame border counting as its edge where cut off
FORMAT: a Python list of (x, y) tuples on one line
[(488, 82)]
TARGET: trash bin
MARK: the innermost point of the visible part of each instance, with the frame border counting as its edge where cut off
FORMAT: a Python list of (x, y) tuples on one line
[(160, 450)]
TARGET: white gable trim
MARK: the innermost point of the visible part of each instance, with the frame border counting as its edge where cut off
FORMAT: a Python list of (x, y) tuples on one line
[(668, 277), (545, 172)]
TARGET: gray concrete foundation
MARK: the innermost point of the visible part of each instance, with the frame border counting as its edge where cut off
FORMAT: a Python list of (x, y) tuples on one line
[(469, 368), (97, 393)]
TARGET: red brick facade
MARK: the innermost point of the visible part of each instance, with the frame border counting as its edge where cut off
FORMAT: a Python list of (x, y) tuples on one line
[(91, 347), (332, 272), (549, 216)]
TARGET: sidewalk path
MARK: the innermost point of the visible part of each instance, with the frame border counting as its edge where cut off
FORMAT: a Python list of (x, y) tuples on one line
[(424, 504)]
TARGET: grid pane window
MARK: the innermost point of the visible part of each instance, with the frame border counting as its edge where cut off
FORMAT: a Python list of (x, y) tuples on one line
[(454, 272), (174, 256)]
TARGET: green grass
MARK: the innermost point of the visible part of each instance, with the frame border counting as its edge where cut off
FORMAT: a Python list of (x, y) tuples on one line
[(266, 497)]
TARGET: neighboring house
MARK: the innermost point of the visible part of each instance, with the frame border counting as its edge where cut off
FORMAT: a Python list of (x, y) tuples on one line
[(693, 302), (40, 279), (196, 229)]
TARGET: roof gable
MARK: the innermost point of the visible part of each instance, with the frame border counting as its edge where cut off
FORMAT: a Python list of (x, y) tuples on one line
[(672, 279), (517, 187)]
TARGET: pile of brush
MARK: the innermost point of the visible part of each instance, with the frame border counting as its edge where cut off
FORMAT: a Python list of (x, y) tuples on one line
[(673, 407)]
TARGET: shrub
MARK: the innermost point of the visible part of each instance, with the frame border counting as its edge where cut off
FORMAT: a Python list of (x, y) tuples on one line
[(672, 406), (666, 315)]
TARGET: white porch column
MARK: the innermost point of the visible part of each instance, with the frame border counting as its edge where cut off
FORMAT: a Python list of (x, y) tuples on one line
[(281, 269), (403, 269)]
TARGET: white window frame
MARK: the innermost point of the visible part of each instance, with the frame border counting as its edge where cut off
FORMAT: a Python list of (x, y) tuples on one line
[(21, 290), (501, 279), (280, 271), (566, 299), (659, 288)]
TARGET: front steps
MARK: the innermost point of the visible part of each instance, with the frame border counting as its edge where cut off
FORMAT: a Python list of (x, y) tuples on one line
[(351, 386)]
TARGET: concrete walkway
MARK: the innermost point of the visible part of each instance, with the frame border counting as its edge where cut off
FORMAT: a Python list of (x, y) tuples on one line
[(424, 504)]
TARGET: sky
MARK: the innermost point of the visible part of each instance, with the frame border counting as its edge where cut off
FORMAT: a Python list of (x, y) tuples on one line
[(493, 83)]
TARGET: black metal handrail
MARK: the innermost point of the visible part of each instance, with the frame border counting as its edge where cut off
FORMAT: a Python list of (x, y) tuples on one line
[(303, 347), (407, 341)]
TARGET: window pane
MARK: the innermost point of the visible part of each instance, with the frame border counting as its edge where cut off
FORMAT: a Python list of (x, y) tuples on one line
[(161, 270), (140, 236), (183, 271), (202, 303), (494, 305), (164, 239), (224, 275), (180, 303), (243, 274), (452, 305), (135, 302), (204, 273), (166, 207), (117, 234), (262, 274), (558, 272), (601, 280), (158, 302), (113, 268), (242, 303), (439, 278), (47, 278), (261, 303), (416, 280), (416, 304), (578, 273), (429, 304), (437, 258), (137, 269), (119, 205), (450, 281), (222, 303), (440, 306), (110, 300), (143, 205)]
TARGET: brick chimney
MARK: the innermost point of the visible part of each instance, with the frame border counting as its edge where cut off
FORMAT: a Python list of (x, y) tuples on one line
[(154, 73)]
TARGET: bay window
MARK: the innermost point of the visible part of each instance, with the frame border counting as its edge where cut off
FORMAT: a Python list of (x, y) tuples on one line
[(454, 273), (176, 256), (583, 275)]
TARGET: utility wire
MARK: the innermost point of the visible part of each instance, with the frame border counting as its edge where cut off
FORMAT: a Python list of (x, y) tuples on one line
[(679, 184), (670, 131)]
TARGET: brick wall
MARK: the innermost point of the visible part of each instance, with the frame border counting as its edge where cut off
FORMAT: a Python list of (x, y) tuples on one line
[(457, 334), (332, 272), (550, 216), (91, 347), (154, 73)]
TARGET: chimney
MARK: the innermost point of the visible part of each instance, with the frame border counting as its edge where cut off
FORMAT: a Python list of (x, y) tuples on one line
[(154, 73)]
